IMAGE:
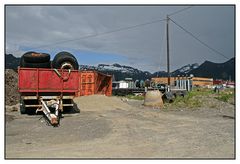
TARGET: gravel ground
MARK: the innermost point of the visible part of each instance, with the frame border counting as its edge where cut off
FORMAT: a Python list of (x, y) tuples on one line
[(111, 127)]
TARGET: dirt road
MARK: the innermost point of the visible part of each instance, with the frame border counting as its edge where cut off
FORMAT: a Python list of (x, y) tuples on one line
[(123, 130)]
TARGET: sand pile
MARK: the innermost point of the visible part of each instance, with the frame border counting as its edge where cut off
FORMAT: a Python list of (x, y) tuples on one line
[(100, 103), (11, 87)]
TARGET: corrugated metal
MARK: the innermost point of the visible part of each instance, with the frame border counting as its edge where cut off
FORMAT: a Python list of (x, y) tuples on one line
[(92, 82), (86, 83)]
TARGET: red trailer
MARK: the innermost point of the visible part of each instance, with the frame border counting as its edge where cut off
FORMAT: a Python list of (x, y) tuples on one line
[(47, 90)]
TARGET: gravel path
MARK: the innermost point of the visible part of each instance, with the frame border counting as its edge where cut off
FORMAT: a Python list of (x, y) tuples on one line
[(109, 127)]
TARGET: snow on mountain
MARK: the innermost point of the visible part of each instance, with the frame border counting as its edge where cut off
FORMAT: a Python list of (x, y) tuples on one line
[(185, 69)]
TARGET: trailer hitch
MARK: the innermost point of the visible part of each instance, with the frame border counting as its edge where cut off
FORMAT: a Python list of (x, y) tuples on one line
[(53, 118)]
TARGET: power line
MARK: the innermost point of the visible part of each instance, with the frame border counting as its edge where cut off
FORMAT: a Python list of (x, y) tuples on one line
[(176, 12), (100, 34), (203, 43), (108, 32)]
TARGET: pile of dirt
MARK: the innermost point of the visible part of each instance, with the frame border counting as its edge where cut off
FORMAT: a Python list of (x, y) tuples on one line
[(11, 87), (100, 103)]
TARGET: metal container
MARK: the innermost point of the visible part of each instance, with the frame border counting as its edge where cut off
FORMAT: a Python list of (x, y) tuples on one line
[(93, 82), (38, 86), (40, 80)]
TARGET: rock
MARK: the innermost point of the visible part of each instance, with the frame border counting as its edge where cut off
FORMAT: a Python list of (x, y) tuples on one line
[(153, 99)]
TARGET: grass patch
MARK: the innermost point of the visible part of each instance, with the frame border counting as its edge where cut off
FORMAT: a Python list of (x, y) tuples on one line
[(135, 97), (192, 99), (224, 97), (200, 97), (227, 95), (189, 101)]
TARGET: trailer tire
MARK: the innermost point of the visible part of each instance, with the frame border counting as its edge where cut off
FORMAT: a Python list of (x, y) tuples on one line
[(65, 60), (22, 107), (36, 65), (34, 57)]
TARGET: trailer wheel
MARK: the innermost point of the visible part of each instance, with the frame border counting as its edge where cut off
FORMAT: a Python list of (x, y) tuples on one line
[(65, 60), (22, 107), (34, 57), (36, 65)]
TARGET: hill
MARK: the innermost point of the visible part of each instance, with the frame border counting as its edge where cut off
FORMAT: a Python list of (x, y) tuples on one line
[(209, 69), (223, 71)]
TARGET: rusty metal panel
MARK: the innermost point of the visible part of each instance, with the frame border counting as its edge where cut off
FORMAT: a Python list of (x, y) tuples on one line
[(103, 84), (27, 79), (47, 80), (92, 82), (86, 83), (72, 81)]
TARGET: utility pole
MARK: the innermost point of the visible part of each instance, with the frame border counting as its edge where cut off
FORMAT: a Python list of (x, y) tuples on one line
[(168, 64)]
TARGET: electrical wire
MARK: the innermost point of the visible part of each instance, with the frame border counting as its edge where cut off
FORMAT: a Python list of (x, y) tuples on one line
[(176, 12), (108, 32), (203, 43), (100, 34)]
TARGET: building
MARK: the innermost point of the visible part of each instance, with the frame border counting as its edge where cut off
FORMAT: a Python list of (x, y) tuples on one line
[(164, 80), (119, 84), (202, 81), (227, 84), (196, 81), (230, 84)]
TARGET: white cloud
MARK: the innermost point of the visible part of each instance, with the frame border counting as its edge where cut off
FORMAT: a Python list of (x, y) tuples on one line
[(34, 26)]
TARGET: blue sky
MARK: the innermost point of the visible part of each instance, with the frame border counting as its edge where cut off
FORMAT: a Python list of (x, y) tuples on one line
[(84, 57)]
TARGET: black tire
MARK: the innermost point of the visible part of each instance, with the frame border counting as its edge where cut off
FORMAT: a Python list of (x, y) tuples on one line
[(63, 58), (36, 65), (21, 64), (168, 97), (34, 57), (22, 107)]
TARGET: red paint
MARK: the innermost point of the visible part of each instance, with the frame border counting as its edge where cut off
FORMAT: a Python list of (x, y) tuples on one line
[(93, 82), (218, 82), (79, 83), (46, 80)]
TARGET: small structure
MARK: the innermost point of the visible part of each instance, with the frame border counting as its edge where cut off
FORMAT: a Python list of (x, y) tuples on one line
[(163, 80), (127, 83), (185, 82), (230, 84), (202, 82), (130, 82), (223, 83), (119, 84)]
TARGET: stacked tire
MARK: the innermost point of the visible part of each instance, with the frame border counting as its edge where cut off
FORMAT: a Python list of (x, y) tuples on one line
[(35, 60), (65, 60), (62, 60)]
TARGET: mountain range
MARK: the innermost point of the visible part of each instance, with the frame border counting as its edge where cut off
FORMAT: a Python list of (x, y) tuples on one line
[(209, 69)]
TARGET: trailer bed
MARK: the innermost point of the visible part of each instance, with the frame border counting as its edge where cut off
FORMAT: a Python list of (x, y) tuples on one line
[(39, 80)]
